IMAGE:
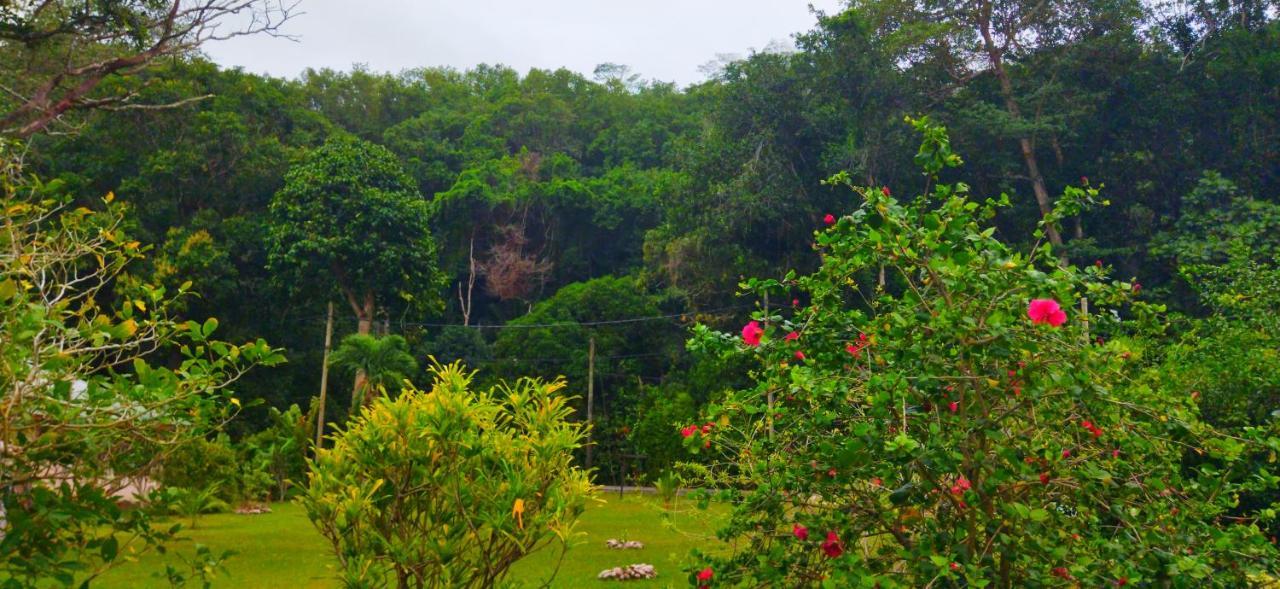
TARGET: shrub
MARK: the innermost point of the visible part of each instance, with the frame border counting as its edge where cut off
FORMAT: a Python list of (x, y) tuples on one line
[(660, 411), (939, 419), (87, 406), (189, 503), (281, 449), (202, 464), (448, 488)]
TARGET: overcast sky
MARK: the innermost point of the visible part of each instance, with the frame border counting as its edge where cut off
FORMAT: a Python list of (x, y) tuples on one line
[(659, 39)]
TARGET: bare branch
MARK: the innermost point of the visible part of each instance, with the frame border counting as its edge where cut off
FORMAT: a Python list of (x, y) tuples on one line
[(64, 50)]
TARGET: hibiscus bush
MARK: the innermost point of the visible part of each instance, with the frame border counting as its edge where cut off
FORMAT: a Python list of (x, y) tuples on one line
[(951, 412)]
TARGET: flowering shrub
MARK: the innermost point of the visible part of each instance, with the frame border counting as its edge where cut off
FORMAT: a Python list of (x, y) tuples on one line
[(450, 487), (946, 413)]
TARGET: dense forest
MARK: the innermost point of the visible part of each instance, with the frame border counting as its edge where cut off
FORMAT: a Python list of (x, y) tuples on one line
[(940, 294), (550, 223)]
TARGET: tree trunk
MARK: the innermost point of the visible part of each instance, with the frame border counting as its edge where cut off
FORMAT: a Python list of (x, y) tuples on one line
[(995, 59), (364, 325)]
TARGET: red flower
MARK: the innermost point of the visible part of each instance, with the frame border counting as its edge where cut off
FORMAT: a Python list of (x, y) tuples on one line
[(876, 482), (1115, 453), (856, 350), (955, 566), (1122, 581), (1061, 572), (829, 219), (884, 191), (689, 430), (832, 545), (1136, 287), (831, 472), (1044, 478), (953, 406), (1046, 311), (706, 574), (706, 429), (799, 355), (793, 336), (795, 302), (751, 333), (800, 532), (963, 483), (1066, 452)]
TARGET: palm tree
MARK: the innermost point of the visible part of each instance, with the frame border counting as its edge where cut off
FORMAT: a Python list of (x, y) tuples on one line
[(384, 362)]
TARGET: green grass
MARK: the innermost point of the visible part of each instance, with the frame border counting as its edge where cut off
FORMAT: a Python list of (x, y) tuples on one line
[(282, 550)]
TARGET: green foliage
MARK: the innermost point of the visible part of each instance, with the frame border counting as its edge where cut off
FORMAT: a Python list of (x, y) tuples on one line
[(201, 463), (88, 407), (1217, 218), (925, 430), (554, 328), (662, 410), (281, 449), (384, 362), (668, 487), (348, 217), (449, 487), (1228, 360), (190, 503), (458, 344), (569, 179)]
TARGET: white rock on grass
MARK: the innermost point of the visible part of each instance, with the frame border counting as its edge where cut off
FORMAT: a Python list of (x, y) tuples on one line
[(620, 545), (630, 572)]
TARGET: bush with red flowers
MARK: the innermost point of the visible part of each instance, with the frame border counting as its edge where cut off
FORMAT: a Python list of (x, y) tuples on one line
[(957, 420)]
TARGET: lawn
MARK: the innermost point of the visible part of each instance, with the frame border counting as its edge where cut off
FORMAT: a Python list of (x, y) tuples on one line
[(282, 550)]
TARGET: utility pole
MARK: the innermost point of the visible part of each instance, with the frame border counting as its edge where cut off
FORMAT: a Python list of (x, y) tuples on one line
[(324, 378), (591, 394)]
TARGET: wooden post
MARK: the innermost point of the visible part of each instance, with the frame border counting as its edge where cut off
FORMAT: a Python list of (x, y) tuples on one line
[(768, 418), (324, 378), (1084, 317), (591, 394)]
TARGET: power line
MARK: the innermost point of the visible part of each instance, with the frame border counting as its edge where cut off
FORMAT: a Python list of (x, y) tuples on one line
[(512, 359), (566, 323), (575, 323)]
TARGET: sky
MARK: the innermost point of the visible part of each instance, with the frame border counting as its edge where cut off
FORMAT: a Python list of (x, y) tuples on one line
[(665, 40)]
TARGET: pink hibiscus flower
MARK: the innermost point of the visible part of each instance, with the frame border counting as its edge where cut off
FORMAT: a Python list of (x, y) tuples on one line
[(1046, 311), (751, 333)]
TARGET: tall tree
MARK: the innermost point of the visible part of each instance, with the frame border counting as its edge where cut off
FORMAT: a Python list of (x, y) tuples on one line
[(349, 218), (952, 45)]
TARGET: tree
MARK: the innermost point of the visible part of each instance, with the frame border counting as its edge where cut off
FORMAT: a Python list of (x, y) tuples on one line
[(99, 383), (348, 217), (449, 487), (62, 51), (954, 45), (961, 424), (384, 362)]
